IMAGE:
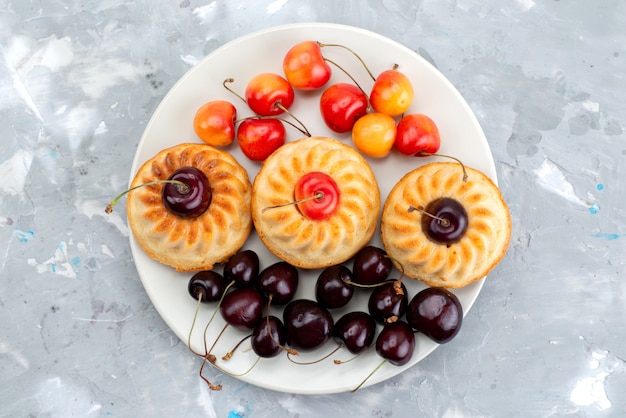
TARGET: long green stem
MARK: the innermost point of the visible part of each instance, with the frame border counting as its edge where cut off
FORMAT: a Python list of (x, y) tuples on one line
[(368, 376), (353, 53)]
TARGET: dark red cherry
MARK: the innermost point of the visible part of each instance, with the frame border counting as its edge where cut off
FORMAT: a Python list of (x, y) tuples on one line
[(388, 302), (333, 288), (190, 200), (396, 343), (208, 284), (268, 337), (280, 280), (308, 324), (242, 268), (371, 265), (436, 313), (355, 330), (452, 222), (242, 308)]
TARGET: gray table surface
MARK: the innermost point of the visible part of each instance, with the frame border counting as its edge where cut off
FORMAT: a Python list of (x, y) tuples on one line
[(80, 80)]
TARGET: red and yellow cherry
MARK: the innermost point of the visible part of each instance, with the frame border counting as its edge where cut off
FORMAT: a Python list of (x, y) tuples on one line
[(214, 123), (317, 195), (374, 134), (392, 93), (269, 94), (305, 67), (260, 137), (341, 105), (417, 133)]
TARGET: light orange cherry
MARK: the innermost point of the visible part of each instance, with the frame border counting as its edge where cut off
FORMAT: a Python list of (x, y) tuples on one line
[(374, 134), (214, 123)]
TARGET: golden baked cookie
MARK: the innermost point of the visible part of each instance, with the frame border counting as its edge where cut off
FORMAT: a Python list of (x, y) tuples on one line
[(294, 237), (434, 262), (191, 244)]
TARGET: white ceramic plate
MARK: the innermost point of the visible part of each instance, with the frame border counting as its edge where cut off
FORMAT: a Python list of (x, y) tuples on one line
[(263, 52)]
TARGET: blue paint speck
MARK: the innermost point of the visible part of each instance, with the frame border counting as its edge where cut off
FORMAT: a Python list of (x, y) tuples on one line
[(593, 209), (600, 186), (24, 236), (53, 267), (606, 236), (234, 414), (76, 261)]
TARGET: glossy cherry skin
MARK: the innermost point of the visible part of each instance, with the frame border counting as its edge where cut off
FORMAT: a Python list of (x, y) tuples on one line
[(243, 268), (374, 134), (312, 184), (264, 91), (417, 133), (308, 324), (371, 265), (268, 337), (333, 288), (441, 232), (396, 343), (355, 330), (388, 303), (305, 67), (208, 284), (436, 313), (214, 123), (191, 201), (242, 308), (341, 105), (392, 93), (280, 280), (258, 138)]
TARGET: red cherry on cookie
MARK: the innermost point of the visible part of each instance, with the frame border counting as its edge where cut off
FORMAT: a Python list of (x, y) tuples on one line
[(317, 195), (305, 67), (258, 138), (268, 94), (417, 133), (341, 105), (214, 123)]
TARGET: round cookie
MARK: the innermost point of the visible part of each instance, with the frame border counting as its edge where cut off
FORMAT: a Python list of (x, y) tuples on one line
[(454, 265), (191, 244), (301, 241)]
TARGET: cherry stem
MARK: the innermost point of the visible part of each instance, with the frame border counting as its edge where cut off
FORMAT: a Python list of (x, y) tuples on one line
[(218, 367), (306, 363), (368, 376), (208, 382), (193, 323), (232, 80), (444, 222), (305, 131), (338, 362), (317, 195), (210, 358), (432, 154), (215, 312), (228, 355), (351, 78), (182, 188), (353, 53), (291, 351)]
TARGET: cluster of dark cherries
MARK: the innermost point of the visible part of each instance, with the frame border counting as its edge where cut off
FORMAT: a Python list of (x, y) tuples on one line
[(245, 294)]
